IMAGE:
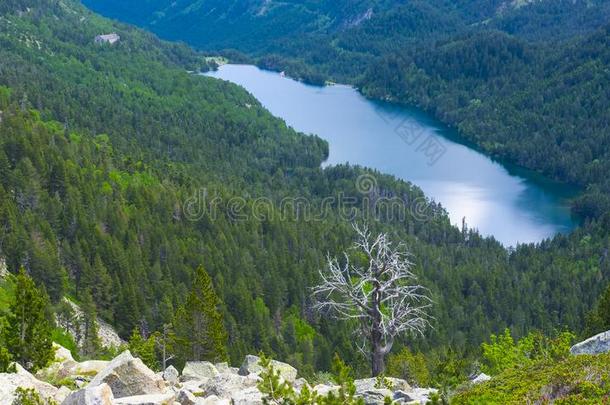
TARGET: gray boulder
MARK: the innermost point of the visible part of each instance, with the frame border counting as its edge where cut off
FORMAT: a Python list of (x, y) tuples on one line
[(98, 395), (214, 400), (249, 396), (375, 396), (251, 365), (224, 385), (128, 376), (186, 397), (415, 396), (198, 370), (171, 375), (223, 367), (154, 399), (481, 378), (194, 386), (62, 393), (299, 383), (597, 344), (371, 384), (9, 382), (323, 389)]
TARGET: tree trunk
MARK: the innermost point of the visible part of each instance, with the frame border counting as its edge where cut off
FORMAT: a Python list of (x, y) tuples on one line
[(377, 353), (378, 362)]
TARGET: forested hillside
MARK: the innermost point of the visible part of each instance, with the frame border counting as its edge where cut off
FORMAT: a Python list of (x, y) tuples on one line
[(103, 147), (525, 81)]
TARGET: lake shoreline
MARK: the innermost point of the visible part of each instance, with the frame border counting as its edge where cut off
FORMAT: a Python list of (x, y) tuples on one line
[(371, 133)]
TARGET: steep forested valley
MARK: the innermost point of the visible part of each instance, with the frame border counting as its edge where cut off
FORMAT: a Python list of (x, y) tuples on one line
[(103, 147), (524, 81)]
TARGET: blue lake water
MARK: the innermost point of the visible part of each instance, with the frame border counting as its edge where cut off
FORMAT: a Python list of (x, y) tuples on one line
[(513, 204)]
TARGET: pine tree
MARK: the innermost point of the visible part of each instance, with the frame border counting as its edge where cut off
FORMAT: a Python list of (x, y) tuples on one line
[(90, 343), (145, 349), (199, 328), (28, 334)]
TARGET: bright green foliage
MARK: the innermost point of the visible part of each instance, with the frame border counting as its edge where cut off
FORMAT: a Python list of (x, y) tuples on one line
[(343, 377), (198, 325), (29, 396), (410, 367), (145, 349), (503, 352), (277, 392), (27, 333), (6, 361), (66, 340), (582, 379)]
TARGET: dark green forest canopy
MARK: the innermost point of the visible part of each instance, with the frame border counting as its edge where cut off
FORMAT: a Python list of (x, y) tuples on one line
[(101, 146), (525, 81)]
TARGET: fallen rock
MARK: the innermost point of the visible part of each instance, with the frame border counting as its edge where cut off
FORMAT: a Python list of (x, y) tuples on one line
[(251, 365), (223, 367), (481, 378), (226, 368), (375, 396), (416, 395), (128, 376), (62, 354), (186, 397), (194, 386), (9, 382), (214, 400), (371, 384), (90, 367), (98, 395), (62, 393), (224, 385), (171, 375), (323, 389), (197, 370), (152, 399), (299, 383), (597, 344), (249, 396)]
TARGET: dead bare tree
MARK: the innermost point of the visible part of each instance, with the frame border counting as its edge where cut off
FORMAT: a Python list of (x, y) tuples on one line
[(382, 295)]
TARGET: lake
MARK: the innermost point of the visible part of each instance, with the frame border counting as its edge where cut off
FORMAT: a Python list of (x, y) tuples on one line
[(513, 204)]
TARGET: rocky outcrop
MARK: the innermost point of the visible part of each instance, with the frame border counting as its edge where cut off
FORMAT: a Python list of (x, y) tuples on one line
[(106, 333), (597, 344), (128, 376), (251, 365)]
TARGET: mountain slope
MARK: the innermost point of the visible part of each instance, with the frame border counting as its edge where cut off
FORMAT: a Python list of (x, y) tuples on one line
[(527, 101), (107, 153)]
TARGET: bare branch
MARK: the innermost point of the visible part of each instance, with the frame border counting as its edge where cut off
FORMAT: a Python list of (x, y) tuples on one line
[(383, 296)]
